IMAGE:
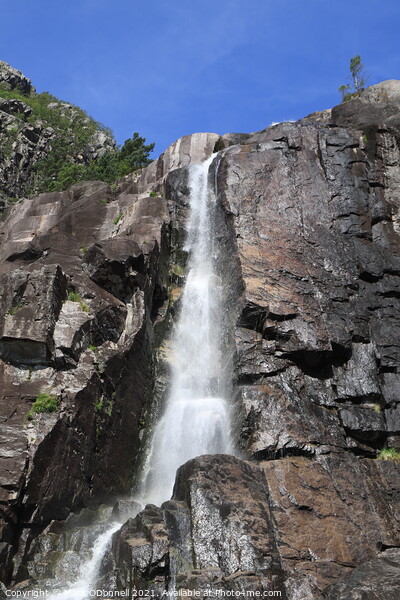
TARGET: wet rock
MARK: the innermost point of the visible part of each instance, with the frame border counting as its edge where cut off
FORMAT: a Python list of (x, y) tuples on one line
[(139, 553), (279, 421), (125, 509), (215, 533), (358, 377), (211, 489), (57, 554), (295, 525)]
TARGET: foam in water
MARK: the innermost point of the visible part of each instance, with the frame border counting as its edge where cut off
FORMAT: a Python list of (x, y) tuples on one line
[(196, 418)]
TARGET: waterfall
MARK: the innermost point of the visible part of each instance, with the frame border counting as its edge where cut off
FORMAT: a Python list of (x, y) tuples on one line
[(80, 589), (196, 418)]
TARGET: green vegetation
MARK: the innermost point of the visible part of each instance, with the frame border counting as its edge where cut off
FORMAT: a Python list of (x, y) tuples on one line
[(92, 348), (103, 408), (117, 220), (74, 297), (178, 270), (109, 409), (44, 403), (72, 132), (389, 454), (14, 309), (99, 405), (133, 155), (84, 306), (358, 80)]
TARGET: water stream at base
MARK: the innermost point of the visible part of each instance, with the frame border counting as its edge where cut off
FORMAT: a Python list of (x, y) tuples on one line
[(196, 419)]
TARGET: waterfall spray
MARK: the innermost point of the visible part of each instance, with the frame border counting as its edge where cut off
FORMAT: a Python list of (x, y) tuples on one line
[(196, 417)]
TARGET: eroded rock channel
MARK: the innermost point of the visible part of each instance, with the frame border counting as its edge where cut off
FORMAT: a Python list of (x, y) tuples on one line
[(308, 233)]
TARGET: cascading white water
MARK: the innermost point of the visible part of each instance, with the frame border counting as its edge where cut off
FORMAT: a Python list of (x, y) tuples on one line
[(80, 589), (196, 418)]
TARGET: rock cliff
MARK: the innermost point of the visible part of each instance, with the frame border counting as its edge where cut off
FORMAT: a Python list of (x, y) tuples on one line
[(33, 128), (309, 219)]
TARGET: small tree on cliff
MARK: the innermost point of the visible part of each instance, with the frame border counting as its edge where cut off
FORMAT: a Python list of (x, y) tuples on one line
[(135, 152), (358, 80), (356, 70)]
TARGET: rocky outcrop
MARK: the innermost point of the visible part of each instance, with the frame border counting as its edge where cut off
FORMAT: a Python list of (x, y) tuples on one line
[(376, 108), (318, 245), (215, 533), (14, 79), (308, 241), (83, 273), (33, 127), (290, 525)]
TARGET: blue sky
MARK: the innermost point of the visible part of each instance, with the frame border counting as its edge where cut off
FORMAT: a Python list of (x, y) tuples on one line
[(167, 69)]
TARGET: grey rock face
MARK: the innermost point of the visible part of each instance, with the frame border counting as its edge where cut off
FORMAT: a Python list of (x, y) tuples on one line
[(378, 579), (215, 533), (318, 326), (377, 107), (14, 79)]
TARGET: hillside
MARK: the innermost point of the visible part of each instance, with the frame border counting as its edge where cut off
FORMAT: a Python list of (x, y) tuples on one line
[(47, 144)]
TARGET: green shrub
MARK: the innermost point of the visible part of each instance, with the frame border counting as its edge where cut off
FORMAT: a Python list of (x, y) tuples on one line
[(99, 405), (44, 403), (389, 454), (58, 172), (74, 297), (117, 220)]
